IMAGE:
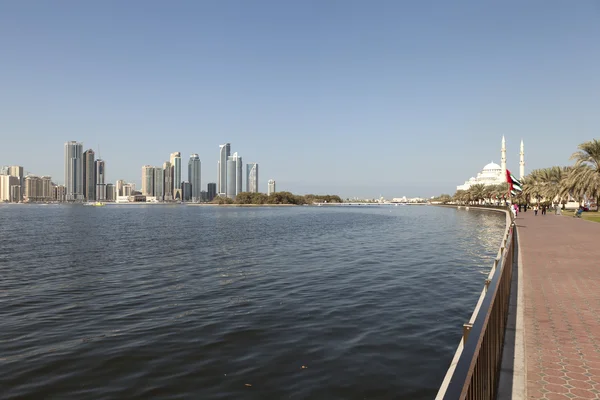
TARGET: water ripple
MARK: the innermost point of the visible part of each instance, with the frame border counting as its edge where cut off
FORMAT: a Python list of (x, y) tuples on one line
[(223, 303)]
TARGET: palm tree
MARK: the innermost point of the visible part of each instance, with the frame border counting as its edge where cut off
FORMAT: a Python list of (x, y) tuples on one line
[(477, 192), (584, 179)]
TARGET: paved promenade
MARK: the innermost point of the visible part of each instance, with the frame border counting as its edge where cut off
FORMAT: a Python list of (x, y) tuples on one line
[(561, 274)]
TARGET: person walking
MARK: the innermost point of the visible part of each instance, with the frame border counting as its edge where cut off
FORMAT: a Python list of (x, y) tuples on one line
[(543, 209), (535, 209)]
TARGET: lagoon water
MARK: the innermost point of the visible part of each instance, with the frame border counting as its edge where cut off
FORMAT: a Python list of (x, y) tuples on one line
[(178, 302)]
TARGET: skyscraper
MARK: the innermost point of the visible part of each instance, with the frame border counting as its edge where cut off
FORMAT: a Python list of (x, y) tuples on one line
[(159, 183), (148, 180), (119, 188), (271, 186), (110, 192), (234, 175), (89, 175), (168, 181), (17, 172), (211, 191), (252, 177), (224, 154), (176, 175), (100, 180), (194, 171), (7, 185), (74, 171), (186, 190)]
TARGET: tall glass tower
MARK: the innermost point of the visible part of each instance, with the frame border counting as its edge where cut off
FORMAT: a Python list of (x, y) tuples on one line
[(224, 154), (100, 180), (252, 177), (194, 169), (176, 164), (89, 175), (74, 171)]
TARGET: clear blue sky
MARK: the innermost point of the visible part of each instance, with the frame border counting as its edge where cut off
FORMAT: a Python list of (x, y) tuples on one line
[(351, 97)]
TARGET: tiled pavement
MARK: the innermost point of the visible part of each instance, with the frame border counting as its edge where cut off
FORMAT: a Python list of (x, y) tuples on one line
[(561, 274)]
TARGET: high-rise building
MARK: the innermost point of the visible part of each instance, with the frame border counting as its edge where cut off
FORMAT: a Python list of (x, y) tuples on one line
[(252, 177), (7, 183), (186, 189), (234, 175), (17, 172), (128, 189), (148, 180), (89, 175), (100, 180), (224, 154), (74, 171), (32, 191), (159, 183), (46, 188), (110, 192), (119, 187), (211, 191), (271, 186), (168, 181), (59, 193), (4, 170), (194, 172), (176, 175)]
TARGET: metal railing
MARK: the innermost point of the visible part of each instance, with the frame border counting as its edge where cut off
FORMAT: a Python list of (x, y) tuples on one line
[(475, 369)]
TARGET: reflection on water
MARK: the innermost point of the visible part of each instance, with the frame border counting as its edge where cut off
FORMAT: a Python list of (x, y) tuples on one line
[(199, 302)]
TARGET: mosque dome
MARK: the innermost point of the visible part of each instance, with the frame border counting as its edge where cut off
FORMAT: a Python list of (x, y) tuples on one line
[(492, 167)]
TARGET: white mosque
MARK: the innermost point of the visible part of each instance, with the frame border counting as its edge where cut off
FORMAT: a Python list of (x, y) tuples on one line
[(494, 174)]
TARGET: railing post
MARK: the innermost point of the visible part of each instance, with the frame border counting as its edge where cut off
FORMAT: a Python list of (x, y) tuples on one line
[(466, 330)]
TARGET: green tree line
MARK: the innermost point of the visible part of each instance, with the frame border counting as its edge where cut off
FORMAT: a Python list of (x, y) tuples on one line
[(278, 198)]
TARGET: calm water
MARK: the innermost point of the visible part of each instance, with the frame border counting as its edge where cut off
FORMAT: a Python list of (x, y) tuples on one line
[(200, 302)]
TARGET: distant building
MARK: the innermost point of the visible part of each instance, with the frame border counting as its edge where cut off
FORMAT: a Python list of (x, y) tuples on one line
[(33, 189), (74, 171), (494, 174), (176, 175), (211, 191), (89, 175), (119, 187), (194, 178), (203, 195), (159, 183), (4, 170), (100, 180), (271, 186), (59, 193), (110, 192), (234, 175), (47, 186), (168, 181), (186, 189), (224, 154), (252, 177), (7, 183), (128, 190), (17, 172), (148, 180)]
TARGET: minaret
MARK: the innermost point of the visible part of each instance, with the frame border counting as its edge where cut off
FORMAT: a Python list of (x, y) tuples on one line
[(522, 161), (503, 157)]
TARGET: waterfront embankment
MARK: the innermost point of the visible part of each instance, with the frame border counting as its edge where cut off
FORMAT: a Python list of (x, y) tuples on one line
[(561, 290)]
